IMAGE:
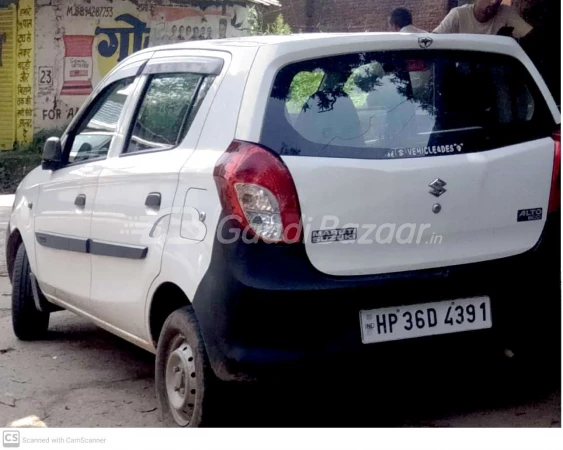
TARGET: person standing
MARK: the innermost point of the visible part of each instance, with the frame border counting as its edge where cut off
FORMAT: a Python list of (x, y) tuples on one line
[(400, 21), (181, 33), (485, 17), (195, 36), (173, 37)]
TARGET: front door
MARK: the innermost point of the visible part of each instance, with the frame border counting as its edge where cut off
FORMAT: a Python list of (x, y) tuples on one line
[(64, 208)]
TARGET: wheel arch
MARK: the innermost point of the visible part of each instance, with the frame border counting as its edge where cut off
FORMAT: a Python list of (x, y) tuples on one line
[(12, 244), (167, 298)]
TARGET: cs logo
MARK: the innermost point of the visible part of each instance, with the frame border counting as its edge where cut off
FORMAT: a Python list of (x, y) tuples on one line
[(10, 438)]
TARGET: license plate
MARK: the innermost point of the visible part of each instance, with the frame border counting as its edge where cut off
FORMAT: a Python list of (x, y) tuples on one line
[(428, 319)]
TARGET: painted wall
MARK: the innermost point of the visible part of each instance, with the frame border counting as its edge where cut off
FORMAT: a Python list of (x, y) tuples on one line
[(77, 42), (7, 76), (24, 71), (16, 73)]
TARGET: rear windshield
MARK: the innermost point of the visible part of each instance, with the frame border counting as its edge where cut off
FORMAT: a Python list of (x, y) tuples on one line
[(403, 104)]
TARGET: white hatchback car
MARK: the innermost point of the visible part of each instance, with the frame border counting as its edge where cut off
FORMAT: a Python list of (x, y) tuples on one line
[(239, 205)]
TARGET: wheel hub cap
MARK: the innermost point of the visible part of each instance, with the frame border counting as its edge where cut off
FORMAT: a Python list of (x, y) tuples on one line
[(181, 382)]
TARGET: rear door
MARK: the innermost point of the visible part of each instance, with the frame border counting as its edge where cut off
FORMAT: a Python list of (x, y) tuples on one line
[(408, 160), (137, 185)]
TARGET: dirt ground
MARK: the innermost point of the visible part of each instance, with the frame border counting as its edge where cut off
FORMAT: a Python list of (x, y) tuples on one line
[(82, 376)]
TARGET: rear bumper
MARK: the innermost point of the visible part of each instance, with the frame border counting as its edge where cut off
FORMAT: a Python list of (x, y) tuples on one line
[(264, 307)]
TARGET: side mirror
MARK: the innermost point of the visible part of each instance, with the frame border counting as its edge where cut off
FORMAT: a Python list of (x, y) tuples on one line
[(52, 154)]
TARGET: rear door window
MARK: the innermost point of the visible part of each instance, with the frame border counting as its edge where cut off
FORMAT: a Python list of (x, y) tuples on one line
[(169, 105), (403, 104)]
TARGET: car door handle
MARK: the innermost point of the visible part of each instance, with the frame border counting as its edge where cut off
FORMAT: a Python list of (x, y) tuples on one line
[(153, 201), (80, 201)]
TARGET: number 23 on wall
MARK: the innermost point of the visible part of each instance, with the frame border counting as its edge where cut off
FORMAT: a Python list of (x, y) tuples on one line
[(45, 76)]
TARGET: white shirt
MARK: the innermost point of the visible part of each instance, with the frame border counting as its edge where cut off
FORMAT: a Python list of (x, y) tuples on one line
[(462, 20), (411, 29)]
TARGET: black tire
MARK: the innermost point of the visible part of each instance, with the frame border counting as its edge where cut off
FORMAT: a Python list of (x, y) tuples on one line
[(28, 322), (182, 324)]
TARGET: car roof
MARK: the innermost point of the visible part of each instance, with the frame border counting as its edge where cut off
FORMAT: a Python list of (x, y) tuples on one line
[(291, 42)]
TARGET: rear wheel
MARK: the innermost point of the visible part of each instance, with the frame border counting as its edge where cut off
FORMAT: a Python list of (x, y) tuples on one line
[(184, 380), (28, 322)]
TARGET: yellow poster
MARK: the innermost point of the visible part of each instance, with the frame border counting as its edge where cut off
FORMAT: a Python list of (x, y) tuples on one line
[(24, 71)]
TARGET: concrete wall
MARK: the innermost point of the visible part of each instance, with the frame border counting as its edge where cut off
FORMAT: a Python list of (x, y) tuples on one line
[(77, 42)]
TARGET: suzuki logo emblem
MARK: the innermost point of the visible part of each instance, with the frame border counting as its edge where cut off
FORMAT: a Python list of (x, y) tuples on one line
[(437, 187), (425, 42)]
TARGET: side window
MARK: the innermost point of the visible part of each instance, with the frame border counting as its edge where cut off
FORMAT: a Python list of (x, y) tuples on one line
[(93, 136), (166, 111)]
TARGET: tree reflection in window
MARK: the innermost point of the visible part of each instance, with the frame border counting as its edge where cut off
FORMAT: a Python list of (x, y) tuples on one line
[(164, 115)]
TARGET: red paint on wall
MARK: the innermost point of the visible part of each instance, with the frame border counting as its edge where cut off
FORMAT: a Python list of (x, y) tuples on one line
[(78, 45), (77, 65)]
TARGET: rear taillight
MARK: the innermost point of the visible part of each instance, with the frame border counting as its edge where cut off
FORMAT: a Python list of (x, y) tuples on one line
[(256, 188), (555, 195)]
